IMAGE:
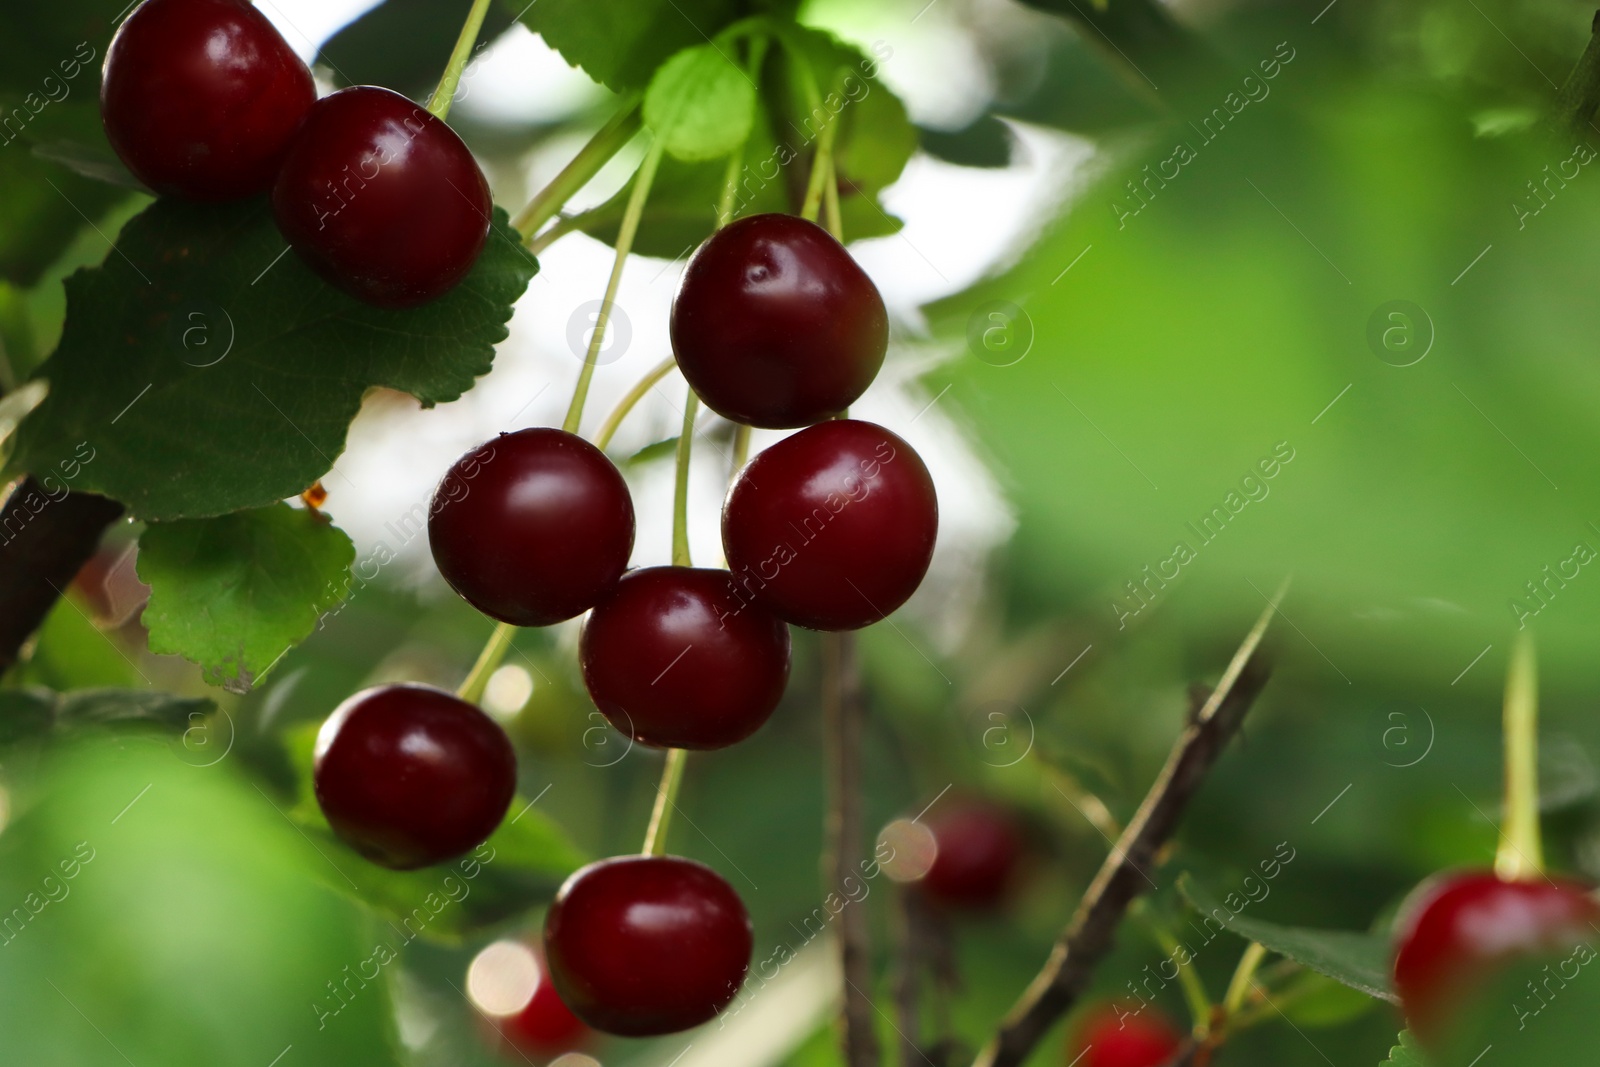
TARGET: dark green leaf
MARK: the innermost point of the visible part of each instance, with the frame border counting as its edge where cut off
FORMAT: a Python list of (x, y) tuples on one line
[(404, 44), (1536, 1013), (700, 104), (35, 711), (1358, 960), (654, 451), (987, 142), (233, 593), (205, 369)]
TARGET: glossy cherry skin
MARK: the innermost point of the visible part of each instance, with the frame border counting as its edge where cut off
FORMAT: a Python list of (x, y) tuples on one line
[(647, 945), (410, 776), (201, 98), (1123, 1036), (1457, 931), (832, 528), (775, 325), (673, 658), (382, 199), (546, 1027), (980, 847), (533, 527)]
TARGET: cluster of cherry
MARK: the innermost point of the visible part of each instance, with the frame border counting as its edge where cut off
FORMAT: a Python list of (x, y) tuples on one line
[(205, 100)]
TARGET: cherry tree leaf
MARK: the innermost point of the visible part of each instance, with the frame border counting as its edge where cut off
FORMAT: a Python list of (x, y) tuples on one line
[(209, 370), (233, 593), (700, 104)]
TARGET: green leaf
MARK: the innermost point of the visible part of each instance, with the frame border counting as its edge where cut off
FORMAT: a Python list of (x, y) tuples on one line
[(1315, 1000), (234, 593), (1405, 1053), (621, 43), (652, 452), (404, 44), (1358, 960), (700, 104), (984, 142), (34, 711), (208, 370)]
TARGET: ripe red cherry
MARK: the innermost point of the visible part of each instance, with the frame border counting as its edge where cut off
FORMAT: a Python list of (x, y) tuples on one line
[(775, 325), (546, 1027), (410, 776), (673, 658), (980, 847), (647, 945), (832, 528), (200, 98), (1459, 930), (1126, 1035), (533, 527), (382, 199)]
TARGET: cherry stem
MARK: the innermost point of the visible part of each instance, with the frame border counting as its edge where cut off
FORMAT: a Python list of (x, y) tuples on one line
[(1243, 979), (821, 170), (608, 429), (439, 104), (1521, 854), (489, 660), (1189, 980), (607, 142), (655, 838), (680, 495), (741, 448), (625, 235), (843, 725)]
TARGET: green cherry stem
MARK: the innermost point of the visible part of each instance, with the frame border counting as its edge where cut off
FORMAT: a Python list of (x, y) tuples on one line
[(821, 171), (1521, 854), (489, 660), (608, 429), (625, 235), (655, 838), (680, 495), (607, 142), (439, 104), (1243, 978), (1189, 980)]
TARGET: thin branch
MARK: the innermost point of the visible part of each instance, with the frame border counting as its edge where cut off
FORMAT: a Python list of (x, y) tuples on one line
[(1126, 872), (1580, 94), (44, 542), (843, 723)]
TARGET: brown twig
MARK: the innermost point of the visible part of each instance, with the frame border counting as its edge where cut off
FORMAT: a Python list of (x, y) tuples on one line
[(45, 540), (843, 722), (1126, 872), (1580, 94)]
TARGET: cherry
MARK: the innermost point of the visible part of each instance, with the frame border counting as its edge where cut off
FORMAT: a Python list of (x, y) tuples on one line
[(546, 1027), (832, 528), (980, 847), (410, 775), (1458, 931), (776, 325), (533, 527), (1112, 1035), (647, 945), (673, 658), (382, 198), (200, 98)]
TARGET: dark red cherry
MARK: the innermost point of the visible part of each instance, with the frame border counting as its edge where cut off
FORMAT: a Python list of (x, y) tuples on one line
[(775, 325), (382, 199), (980, 847), (410, 775), (200, 98), (673, 658), (1123, 1035), (646, 945), (1458, 931), (533, 527), (832, 528)]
